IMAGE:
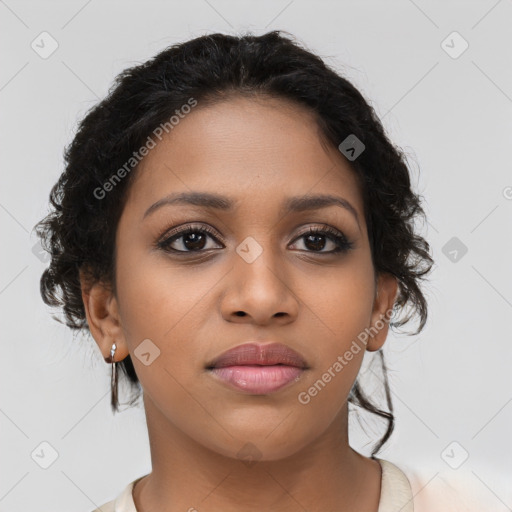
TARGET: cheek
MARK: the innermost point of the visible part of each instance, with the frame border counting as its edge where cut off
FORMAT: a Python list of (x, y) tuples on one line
[(342, 309), (157, 298), (168, 305), (343, 303)]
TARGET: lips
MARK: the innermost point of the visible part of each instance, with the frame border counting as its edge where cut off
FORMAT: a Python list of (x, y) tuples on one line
[(258, 369), (256, 354)]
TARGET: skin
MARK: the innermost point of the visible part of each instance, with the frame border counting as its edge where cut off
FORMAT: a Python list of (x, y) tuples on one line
[(258, 152)]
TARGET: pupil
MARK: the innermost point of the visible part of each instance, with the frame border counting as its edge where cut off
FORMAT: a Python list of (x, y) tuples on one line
[(196, 241), (316, 244)]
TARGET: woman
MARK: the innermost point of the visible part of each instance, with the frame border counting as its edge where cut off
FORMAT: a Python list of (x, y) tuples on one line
[(236, 231)]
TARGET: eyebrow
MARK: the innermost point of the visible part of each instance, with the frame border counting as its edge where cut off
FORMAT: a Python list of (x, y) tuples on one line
[(219, 202)]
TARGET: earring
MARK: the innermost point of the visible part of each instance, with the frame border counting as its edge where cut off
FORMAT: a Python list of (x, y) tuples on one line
[(113, 381)]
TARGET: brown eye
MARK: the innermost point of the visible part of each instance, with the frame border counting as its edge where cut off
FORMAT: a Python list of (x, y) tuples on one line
[(317, 239), (191, 239)]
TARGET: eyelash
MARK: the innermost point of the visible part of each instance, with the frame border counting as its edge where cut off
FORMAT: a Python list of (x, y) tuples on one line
[(342, 243)]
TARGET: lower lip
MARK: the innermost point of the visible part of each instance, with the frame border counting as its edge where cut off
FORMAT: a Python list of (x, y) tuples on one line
[(256, 379)]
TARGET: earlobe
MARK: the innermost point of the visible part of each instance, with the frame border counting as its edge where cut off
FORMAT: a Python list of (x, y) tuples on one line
[(102, 315), (387, 288)]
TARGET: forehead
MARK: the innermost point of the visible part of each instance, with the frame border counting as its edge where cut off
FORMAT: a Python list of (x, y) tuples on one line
[(260, 148)]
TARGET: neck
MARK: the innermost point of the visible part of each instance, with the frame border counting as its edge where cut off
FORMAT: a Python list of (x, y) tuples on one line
[(324, 475)]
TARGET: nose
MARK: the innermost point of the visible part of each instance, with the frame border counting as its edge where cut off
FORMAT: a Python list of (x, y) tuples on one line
[(259, 291)]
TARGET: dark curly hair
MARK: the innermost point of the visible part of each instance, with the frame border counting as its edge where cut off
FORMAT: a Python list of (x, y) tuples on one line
[(80, 232)]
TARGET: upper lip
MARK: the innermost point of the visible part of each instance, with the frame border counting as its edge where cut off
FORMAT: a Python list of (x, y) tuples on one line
[(259, 354)]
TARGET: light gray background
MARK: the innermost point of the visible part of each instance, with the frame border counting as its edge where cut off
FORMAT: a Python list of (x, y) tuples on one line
[(452, 116)]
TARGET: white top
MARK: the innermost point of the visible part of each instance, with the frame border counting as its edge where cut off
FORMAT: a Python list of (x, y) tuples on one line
[(395, 493)]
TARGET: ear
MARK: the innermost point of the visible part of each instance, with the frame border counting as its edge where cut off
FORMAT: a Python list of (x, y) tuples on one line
[(102, 314), (385, 296)]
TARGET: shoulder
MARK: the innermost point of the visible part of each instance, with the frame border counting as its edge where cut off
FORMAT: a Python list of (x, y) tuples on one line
[(395, 490), (434, 488), (393, 474)]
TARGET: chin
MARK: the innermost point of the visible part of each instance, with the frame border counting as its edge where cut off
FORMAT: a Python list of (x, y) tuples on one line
[(253, 448)]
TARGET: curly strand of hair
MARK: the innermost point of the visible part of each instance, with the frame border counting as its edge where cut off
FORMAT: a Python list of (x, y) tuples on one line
[(362, 400)]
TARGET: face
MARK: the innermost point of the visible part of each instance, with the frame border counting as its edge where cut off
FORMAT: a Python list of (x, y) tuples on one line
[(246, 270)]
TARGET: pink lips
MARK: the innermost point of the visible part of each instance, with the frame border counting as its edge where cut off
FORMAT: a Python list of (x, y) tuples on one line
[(258, 369)]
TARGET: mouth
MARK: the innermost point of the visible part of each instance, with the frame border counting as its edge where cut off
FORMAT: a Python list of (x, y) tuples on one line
[(258, 368)]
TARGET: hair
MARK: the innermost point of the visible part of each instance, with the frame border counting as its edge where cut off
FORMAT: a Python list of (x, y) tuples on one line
[(79, 233)]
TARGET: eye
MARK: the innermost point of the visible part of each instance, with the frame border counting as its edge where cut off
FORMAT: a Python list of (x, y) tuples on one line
[(189, 239), (315, 240)]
